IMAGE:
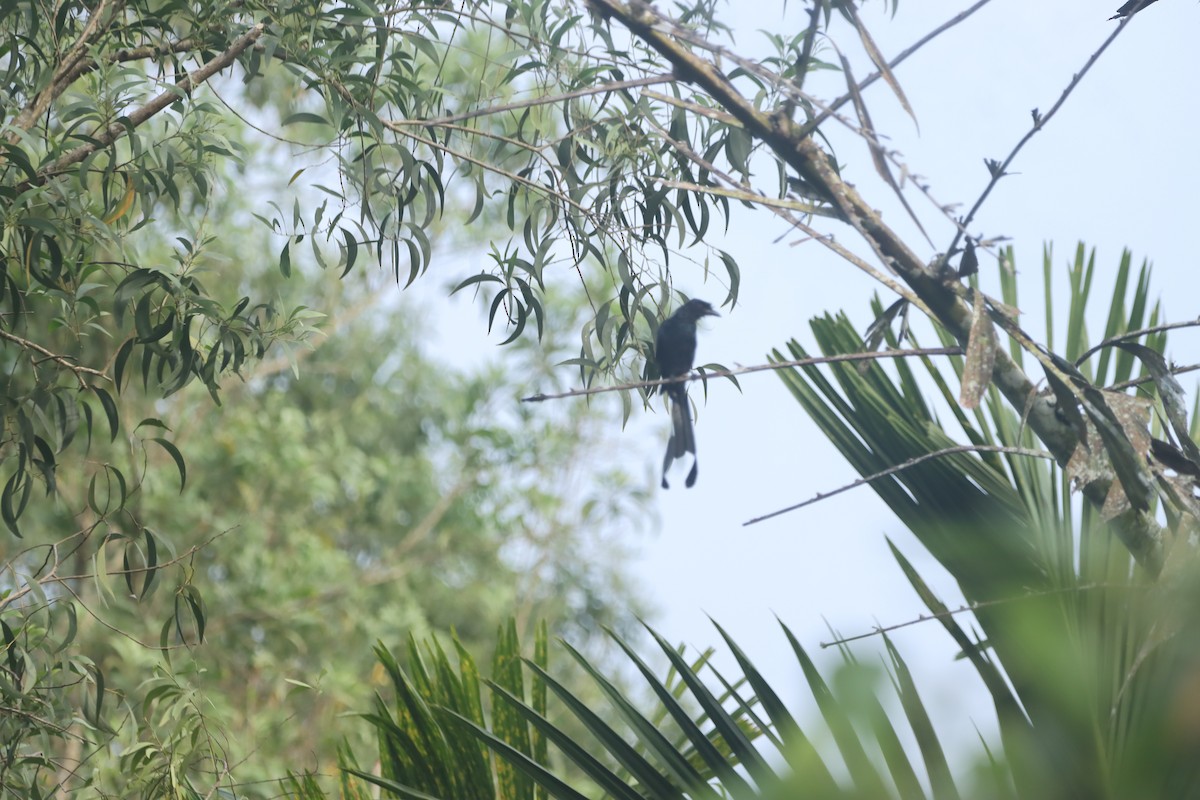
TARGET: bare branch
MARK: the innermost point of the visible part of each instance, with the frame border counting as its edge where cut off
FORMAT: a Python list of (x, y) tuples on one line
[(1150, 378), (895, 62), (803, 362), (973, 606), (1124, 337), (1039, 122), (912, 462)]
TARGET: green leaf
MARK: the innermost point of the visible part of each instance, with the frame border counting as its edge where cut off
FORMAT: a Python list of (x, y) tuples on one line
[(304, 117), (351, 251), (176, 456), (613, 743), (110, 411), (742, 748), (519, 760), (285, 260), (675, 762)]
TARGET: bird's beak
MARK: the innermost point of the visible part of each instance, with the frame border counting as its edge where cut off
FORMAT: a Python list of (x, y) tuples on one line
[(711, 313)]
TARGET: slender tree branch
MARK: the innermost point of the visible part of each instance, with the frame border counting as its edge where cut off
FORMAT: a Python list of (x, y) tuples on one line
[(912, 462), (66, 72), (123, 634), (53, 577), (85, 66), (895, 62), (614, 86), (1039, 122), (66, 361), (114, 131), (704, 376), (973, 606), (1150, 378), (1124, 337)]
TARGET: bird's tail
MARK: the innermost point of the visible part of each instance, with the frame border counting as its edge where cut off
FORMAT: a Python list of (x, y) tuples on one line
[(683, 438)]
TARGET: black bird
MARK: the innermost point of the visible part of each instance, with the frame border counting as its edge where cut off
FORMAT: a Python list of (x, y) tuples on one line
[(675, 351), (1130, 7)]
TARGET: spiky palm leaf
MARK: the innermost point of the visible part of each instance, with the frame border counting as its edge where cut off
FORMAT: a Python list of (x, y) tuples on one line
[(736, 740)]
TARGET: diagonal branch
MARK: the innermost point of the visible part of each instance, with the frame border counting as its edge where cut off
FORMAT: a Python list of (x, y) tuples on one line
[(1128, 335), (114, 131), (912, 462), (68, 70), (1039, 121)]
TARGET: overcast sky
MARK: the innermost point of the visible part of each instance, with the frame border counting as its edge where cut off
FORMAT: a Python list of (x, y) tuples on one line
[(1116, 168)]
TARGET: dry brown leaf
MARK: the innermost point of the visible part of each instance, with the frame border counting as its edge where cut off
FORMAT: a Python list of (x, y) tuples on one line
[(981, 355), (880, 62), (1090, 462)]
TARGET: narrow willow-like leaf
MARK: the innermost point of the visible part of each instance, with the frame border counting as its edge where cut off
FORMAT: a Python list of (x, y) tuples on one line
[(176, 456), (877, 58)]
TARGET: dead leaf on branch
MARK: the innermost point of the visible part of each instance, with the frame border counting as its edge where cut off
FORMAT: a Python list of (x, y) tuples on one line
[(1091, 462), (981, 355)]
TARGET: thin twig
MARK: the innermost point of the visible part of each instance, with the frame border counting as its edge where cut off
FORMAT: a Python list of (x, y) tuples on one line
[(912, 462), (895, 62), (973, 606), (113, 628), (1116, 387), (803, 362), (1039, 122), (64, 360), (53, 577), (1124, 337), (614, 86)]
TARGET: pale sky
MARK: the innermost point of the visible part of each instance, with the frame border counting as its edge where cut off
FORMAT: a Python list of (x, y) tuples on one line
[(1117, 167)]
